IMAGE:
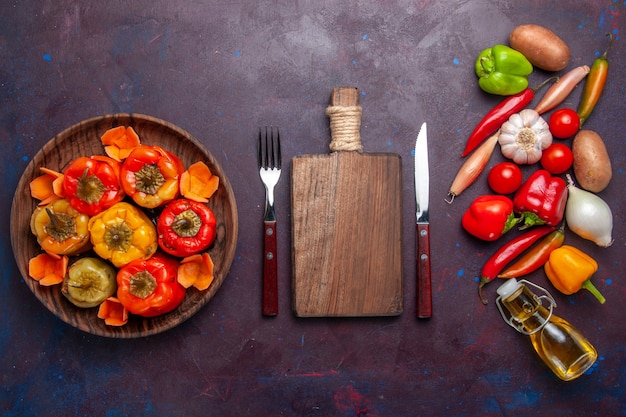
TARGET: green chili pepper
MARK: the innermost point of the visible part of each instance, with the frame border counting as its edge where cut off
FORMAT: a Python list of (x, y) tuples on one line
[(502, 70)]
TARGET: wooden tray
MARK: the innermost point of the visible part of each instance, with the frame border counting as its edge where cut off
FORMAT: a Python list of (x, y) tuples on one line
[(83, 139)]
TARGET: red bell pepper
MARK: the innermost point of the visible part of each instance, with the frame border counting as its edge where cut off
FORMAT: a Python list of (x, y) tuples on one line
[(186, 227), (541, 199), (150, 287), (489, 217), (92, 184), (150, 176)]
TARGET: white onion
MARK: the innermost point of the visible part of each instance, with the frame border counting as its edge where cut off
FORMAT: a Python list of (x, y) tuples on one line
[(588, 215)]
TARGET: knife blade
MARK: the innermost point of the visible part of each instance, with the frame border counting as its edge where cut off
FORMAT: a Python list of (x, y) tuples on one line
[(424, 291)]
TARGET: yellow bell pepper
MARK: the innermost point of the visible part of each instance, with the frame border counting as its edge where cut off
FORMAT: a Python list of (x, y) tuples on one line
[(123, 233), (570, 269), (60, 229)]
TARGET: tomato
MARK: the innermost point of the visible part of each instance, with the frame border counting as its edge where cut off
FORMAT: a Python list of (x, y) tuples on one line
[(564, 123), (557, 158), (505, 178)]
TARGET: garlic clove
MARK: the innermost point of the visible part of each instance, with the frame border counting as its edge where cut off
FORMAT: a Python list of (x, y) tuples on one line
[(529, 118)]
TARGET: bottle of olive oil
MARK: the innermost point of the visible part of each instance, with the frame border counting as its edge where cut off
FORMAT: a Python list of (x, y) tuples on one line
[(559, 344)]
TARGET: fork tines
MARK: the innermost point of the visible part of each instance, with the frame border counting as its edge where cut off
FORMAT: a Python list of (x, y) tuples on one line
[(269, 149)]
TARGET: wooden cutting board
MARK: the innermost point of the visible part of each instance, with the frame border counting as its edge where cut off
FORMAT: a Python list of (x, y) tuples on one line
[(346, 223)]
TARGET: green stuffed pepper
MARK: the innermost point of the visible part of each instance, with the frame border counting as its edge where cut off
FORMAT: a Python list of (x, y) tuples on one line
[(502, 70)]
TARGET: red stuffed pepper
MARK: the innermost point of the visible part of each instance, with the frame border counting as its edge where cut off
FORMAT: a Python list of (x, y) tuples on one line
[(150, 176), (149, 287), (541, 199), (92, 184), (186, 227), (489, 217)]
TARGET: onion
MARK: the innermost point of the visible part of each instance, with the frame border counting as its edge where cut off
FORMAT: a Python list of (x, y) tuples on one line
[(562, 88), (588, 215), (472, 167)]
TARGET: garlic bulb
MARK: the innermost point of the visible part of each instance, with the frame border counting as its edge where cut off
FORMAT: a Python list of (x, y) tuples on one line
[(524, 137)]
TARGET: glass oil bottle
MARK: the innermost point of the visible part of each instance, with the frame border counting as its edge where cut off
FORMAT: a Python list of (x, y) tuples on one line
[(559, 344)]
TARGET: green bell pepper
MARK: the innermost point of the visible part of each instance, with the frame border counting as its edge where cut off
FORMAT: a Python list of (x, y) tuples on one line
[(502, 70)]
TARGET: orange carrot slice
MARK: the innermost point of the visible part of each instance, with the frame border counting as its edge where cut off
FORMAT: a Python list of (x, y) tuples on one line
[(41, 189), (47, 187), (113, 312), (106, 159), (119, 154), (57, 186), (48, 268), (50, 172), (112, 135), (113, 152), (120, 141), (198, 183), (197, 271)]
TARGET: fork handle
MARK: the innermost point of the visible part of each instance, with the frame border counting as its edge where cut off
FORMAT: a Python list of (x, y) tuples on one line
[(270, 270)]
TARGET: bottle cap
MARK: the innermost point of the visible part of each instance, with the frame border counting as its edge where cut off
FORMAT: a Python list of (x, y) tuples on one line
[(508, 288)]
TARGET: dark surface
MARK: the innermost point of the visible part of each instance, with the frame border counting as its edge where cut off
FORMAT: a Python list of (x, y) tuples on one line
[(221, 69)]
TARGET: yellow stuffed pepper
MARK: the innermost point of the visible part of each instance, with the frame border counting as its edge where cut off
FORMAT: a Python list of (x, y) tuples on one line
[(123, 233), (60, 229)]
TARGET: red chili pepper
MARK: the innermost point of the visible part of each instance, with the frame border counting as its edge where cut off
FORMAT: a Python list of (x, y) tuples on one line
[(489, 217), (91, 184), (541, 199), (149, 287), (507, 253), (536, 257), (150, 176), (594, 84), (498, 115), (186, 227)]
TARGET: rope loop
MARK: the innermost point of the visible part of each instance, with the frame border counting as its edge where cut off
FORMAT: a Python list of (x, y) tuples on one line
[(345, 127)]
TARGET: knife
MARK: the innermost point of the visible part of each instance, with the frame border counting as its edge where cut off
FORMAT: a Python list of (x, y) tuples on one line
[(424, 296)]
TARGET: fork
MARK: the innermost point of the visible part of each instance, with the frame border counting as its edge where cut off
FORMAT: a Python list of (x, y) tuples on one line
[(269, 160)]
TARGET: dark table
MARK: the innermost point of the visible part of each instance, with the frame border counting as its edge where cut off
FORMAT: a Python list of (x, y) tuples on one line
[(221, 69)]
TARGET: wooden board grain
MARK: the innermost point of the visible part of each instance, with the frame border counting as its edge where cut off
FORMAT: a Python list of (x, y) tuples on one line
[(346, 234)]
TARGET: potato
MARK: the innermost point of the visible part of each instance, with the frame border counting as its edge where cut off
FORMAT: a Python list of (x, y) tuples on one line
[(542, 47), (592, 166)]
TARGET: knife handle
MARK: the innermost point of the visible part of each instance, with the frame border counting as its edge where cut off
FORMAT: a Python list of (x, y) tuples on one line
[(270, 270), (424, 291)]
